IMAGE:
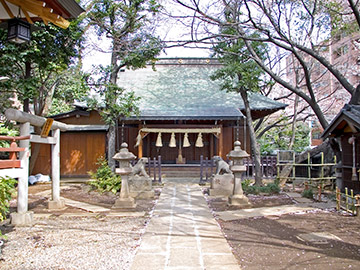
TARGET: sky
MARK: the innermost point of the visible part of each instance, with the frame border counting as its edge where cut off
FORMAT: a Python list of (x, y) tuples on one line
[(94, 57), (168, 29)]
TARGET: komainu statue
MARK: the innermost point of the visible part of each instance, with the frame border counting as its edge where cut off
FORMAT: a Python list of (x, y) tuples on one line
[(221, 166), (139, 167)]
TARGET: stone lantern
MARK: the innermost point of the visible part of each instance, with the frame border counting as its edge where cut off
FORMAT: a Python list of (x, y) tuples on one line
[(124, 157), (237, 155)]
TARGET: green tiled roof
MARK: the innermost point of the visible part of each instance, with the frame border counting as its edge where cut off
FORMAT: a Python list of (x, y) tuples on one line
[(182, 89)]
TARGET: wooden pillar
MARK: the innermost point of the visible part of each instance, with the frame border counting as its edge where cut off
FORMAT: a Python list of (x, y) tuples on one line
[(148, 147), (140, 148), (221, 143), (211, 145)]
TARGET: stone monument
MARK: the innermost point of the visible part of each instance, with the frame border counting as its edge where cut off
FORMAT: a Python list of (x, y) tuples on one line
[(124, 157), (237, 155), (140, 184), (222, 183)]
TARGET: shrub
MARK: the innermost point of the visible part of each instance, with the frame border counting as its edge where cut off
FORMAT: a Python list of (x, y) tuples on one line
[(104, 179), (245, 183), (308, 193), (271, 188), (7, 188)]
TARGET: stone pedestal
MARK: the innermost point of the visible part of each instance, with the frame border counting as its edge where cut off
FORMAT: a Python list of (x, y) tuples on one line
[(238, 200), (221, 185), (22, 219), (56, 205), (124, 203), (140, 187)]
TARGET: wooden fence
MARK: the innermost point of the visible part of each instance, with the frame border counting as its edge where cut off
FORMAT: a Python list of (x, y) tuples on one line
[(13, 150), (348, 202), (154, 165), (268, 167), (12, 166), (313, 173), (207, 168)]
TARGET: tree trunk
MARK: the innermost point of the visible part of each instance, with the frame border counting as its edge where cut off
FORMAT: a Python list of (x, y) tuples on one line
[(355, 98), (27, 75), (110, 102), (254, 145), (48, 100), (293, 127), (111, 147)]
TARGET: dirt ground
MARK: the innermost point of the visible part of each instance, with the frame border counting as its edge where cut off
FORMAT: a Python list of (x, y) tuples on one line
[(273, 242), (288, 241), (73, 238), (78, 192)]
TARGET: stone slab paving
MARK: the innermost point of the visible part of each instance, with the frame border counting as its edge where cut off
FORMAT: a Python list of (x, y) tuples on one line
[(263, 211), (183, 234), (85, 206), (302, 206)]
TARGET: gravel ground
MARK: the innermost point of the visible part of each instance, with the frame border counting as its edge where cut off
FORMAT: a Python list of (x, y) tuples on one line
[(73, 243)]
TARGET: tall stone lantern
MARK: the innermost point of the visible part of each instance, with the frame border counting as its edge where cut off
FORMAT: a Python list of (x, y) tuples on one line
[(124, 157), (237, 155)]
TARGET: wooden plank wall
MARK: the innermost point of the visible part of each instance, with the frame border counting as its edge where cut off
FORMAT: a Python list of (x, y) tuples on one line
[(79, 152)]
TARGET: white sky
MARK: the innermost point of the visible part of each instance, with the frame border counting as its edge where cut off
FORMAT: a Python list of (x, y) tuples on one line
[(168, 29)]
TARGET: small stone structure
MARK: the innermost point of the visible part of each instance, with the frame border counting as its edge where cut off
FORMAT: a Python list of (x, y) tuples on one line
[(222, 183), (237, 156), (124, 157), (140, 184)]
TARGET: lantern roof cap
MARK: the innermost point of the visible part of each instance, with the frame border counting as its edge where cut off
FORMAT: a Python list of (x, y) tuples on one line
[(237, 152), (124, 153)]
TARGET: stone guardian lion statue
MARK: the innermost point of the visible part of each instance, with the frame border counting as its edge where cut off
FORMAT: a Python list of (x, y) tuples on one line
[(221, 166), (139, 167)]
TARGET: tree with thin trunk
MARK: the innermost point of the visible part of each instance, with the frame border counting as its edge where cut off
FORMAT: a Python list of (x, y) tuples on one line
[(241, 74), (127, 26), (303, 29)]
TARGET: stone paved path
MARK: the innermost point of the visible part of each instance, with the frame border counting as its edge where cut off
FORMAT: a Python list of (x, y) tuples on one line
[(183, 234)]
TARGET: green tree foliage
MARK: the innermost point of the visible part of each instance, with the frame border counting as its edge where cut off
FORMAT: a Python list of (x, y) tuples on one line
[(6, 131), (278, 138), (239, 70), (7, 188), (39, 70), (127, 24), (240, 73), (115, 101)]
